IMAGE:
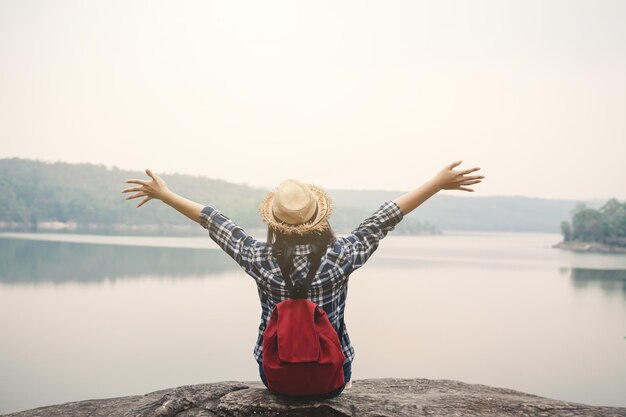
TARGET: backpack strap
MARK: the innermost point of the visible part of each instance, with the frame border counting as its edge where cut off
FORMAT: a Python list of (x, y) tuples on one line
[(300, 290)]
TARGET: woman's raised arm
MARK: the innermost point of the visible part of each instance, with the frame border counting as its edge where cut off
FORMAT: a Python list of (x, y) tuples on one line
[(446, 179), (157, 189), (228, 235)]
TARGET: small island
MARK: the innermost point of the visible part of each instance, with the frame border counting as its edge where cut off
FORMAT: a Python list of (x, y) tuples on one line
[(590, 230)]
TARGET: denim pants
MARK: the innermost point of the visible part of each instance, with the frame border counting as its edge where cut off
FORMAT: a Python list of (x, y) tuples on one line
[(347, 373)]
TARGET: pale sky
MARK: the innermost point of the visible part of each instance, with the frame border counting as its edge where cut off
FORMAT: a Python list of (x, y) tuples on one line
[(344, 94)]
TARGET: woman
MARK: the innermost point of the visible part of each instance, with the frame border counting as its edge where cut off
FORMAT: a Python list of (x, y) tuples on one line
[(299, 235)]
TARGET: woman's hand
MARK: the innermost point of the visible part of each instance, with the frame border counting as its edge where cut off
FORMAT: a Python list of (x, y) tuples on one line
[(150, 189), (447, 179)]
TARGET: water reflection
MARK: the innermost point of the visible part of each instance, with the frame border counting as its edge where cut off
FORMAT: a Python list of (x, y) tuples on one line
[(608, 280), (24, 261), (467, 301)]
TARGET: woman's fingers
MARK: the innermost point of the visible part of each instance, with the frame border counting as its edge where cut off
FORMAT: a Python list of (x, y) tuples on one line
[(150, 174), (474, 177), (151, 189), (141, 191), (127, 190), (145, 200), (130, 197), (470, 182), (454, 164), (142, 182), (456, 180), (464, 180), (467, 171)]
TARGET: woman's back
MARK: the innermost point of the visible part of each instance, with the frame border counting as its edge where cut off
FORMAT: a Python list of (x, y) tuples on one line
[(329, 286)]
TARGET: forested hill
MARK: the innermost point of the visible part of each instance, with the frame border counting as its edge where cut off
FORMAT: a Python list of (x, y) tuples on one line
[(472, 212), (88, 198), (34, 192)]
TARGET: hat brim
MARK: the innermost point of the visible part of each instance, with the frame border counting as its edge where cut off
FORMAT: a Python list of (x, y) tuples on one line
[(316, 225)]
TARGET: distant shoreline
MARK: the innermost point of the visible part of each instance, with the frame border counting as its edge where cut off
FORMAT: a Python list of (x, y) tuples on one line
[(579, 246)]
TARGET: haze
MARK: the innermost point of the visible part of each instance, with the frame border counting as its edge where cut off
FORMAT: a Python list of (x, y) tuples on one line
[(351, 94)]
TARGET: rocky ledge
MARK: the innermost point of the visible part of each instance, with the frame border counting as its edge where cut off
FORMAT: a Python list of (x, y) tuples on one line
[(367, 397)]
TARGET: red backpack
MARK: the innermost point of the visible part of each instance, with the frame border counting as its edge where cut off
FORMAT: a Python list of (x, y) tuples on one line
[(302, 354)]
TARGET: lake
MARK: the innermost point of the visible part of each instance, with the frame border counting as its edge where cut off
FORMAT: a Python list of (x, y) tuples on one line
[(86, 317)]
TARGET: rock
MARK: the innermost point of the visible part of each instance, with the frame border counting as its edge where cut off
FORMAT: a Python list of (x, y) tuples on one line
[(367, 398)]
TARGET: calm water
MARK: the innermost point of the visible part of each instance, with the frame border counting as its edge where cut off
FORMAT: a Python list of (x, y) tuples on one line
[(101, 317)]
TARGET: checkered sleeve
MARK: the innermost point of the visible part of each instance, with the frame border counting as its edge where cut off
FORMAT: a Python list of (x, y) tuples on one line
[(364, 240), (230, 237)]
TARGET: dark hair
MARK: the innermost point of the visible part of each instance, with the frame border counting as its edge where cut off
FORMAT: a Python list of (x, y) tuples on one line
[(283, 245)]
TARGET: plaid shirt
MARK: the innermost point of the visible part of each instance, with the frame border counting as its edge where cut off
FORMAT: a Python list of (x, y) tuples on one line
[(330, 285)]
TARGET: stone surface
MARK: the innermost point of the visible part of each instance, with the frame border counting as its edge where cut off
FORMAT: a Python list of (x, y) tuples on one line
[(367, 398)]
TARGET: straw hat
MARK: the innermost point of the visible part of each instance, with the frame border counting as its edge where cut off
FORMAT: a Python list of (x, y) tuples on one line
[(296, 208)]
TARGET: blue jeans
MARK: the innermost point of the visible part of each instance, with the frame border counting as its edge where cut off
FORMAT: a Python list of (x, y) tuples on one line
[(347, 373)]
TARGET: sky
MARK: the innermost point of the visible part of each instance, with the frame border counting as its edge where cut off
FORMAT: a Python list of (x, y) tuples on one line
[(343, 94)]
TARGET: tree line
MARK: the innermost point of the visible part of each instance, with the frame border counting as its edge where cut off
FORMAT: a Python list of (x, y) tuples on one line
[(34, 191), (606, 224)]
